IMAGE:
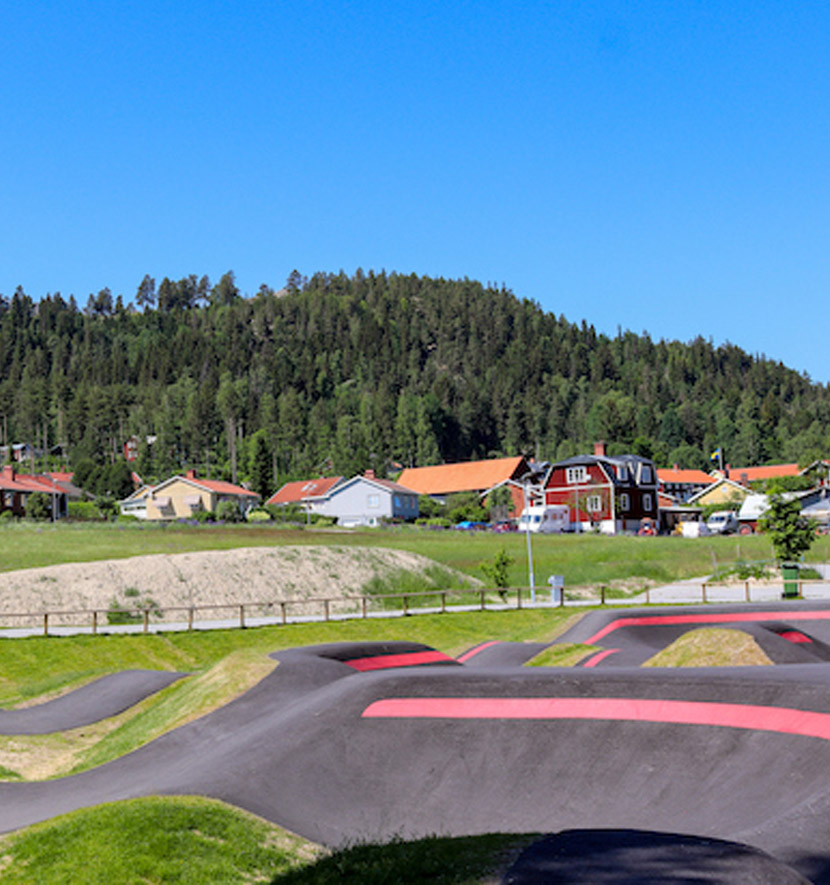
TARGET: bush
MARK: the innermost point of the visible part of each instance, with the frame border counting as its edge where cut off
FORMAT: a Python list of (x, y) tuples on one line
[(496, 571), (203, 516), (84, 511), (39, 506), (228, 511), (258, 516), (7, 516)]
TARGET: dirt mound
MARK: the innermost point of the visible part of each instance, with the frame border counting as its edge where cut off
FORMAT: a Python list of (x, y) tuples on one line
[(214, 578)]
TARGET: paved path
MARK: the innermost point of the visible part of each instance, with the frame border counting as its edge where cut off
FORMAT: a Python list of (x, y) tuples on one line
[(369, 741)]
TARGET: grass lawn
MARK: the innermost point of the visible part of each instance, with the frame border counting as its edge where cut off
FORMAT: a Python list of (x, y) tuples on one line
[(193, 841), (582, 559)]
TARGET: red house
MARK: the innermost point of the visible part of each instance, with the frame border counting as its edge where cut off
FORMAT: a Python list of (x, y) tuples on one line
[(605, 493)]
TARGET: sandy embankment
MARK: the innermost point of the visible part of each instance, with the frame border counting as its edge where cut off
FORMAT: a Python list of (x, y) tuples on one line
[(226, 577)]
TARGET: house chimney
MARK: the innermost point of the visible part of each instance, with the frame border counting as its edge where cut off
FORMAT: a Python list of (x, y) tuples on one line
[(191, 474), (369, 474), (675, 466), (599, 448), (8, 471)]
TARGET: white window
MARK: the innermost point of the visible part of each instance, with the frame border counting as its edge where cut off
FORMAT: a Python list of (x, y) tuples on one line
[(645, 474), (576, 474), (622, 475), (625, 502), (594, 504), (646, 502), (373, 501), (397, 501)]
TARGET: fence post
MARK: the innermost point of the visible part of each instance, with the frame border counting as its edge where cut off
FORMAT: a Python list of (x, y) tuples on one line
[(405, 600), (562, 598), (146, 619), (242, 617), (363, 605), (326, 609), (443, 602), (648, 595), (602, 594), (746, 590), (703, 591), (481, 593), (518, 597), (46, 623), (282, 612), (94, 622)]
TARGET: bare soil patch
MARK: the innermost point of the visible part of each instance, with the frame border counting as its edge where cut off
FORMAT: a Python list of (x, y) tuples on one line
[(265, 575)]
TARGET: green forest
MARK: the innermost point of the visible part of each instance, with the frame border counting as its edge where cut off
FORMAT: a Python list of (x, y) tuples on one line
[(338, 373)]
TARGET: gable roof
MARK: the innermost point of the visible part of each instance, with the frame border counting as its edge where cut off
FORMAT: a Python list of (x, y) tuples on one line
[(373, 480), (672, 475), (752, 474), (304, 490), (218, 486), (719, 481), (466, 476)]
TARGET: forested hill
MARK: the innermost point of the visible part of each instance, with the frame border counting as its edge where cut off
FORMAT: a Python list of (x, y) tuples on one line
[(346, 373)]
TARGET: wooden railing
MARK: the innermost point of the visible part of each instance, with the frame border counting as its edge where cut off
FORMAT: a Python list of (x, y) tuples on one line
[(280, 611)]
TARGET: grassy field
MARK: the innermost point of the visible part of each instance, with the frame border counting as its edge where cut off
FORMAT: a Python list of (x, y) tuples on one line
[(582, 559)]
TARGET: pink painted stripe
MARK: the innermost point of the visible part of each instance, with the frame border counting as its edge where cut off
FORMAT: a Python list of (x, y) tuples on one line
[(406, 659), (783, 720), (728, 618), (794, 636), (599, 657), (474, 651)]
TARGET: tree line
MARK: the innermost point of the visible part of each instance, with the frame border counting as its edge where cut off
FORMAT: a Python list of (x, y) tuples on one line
[(338, 373)]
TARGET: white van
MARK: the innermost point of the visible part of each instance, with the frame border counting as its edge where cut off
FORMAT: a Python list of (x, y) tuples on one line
[(545, 518)]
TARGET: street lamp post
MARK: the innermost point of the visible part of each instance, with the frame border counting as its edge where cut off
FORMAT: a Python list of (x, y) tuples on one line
[(529, 547)]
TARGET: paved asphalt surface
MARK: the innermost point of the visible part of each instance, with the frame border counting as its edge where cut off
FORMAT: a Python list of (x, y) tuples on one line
[(714, 774)]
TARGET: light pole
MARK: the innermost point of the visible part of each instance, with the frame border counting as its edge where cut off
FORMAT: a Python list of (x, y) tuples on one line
[(529, 546)]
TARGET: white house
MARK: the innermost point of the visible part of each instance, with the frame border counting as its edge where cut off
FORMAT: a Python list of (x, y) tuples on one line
[(366, 500)]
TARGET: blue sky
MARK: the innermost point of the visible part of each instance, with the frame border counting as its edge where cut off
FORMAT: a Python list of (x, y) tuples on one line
[(644, 165)]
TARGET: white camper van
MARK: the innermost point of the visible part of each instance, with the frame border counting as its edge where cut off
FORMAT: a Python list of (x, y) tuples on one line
[(545, 518)]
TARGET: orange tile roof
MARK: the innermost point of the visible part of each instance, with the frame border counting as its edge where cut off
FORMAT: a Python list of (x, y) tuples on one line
[(672, 475), (466, 476), (222, 488), (766, 472), (302, 489)]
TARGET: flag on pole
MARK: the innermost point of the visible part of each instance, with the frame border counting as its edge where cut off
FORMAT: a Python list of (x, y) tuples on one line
[(715, 456)]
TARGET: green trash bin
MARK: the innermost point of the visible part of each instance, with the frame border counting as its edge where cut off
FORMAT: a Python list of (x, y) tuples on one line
[(789, 571)]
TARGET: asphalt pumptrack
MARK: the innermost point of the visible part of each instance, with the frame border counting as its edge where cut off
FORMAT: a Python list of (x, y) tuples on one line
[(637, 775)]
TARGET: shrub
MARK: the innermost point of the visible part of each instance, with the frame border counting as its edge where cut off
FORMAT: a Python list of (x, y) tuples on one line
[(82, 510), (39, 506), (228, 511), (496, 571), (258, 516), (203, 516), (7, 516)]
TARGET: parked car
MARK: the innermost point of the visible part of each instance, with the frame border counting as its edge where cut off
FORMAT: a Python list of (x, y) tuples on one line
[(470, 525), (723, 522)]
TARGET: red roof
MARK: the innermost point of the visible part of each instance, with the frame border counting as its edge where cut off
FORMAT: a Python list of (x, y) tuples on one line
[(679, 475), (12, 481), (752, 474), (303, 489), (466, 476), (221, 487)]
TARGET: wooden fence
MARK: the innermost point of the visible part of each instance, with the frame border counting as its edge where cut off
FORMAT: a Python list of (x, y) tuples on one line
[(279, 611)]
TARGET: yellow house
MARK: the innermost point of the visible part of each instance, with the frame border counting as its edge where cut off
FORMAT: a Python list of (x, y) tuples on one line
[(722, 491), (181, 496)]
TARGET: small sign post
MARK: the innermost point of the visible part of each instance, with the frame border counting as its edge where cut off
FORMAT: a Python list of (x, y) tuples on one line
[(557, 588)]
